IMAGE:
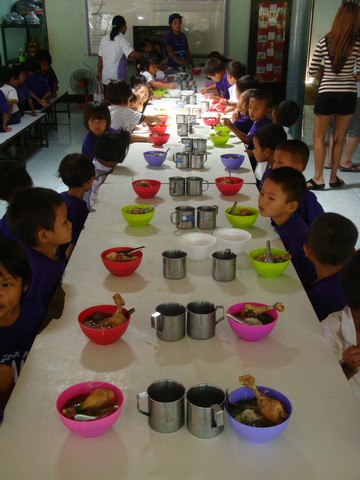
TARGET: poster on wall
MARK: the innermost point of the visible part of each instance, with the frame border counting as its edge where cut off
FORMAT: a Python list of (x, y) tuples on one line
[(270, 44)]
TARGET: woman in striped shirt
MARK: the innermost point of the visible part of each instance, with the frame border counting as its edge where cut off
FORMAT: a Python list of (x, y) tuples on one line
[(338, 54)]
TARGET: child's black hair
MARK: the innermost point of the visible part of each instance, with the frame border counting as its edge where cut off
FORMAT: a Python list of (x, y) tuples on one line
[(247, 94), (96, 111), (119, 92), (291, 181), (219, 56), (112, 146), (137, 79), (236, 69), (5, 75), (270, 136), (146, 42), (332, 238), (298, 150), (32, 64), (245, 82), (287, 113), (16, 70), (350, 281), (263, 95), (76, 169), (32, 209), (13, 176), (13, 259), (147, 60), (213, 66), (43, 54)]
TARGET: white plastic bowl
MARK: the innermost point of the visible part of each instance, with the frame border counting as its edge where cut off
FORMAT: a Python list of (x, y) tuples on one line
[(233, 238), (174, 93), (201, 130), (197, 245)]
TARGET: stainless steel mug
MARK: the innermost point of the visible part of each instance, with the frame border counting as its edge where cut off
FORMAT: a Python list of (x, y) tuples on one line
[(205, 410), (180, 118), (174, 264), (169, 321), (176, 186), (188, 144), (191, 119), (181, 159), (165, 405), (201, 319), (197, 160), (196, 111), (204, 106), (195, 185), (224, 265), (182, 129), (183, 217), (199, 145), (206, 217)]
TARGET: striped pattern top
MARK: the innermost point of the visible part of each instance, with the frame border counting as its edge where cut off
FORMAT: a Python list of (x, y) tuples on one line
[(344, 81)]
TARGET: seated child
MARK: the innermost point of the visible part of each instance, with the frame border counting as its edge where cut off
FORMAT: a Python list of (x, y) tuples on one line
[(265, 140), (215, 69), (38, 85), (122, 116), (14, 115), (280, 195), (110, 149), (295, 153), (20, 316), (97, 120), (142, 93), (17, 80), (342, 328), (242, 120), (47, 71), (234, 71), (259, 108), (4, 111), (331, 242), (149, 66), (38, 218), (286, 114), (246, 82), (13, 176), (77, 172)]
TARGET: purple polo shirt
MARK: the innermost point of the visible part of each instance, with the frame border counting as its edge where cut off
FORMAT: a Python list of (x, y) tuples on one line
[(37, 84), (179, 44), (23, 93), (256, 126), (309, 208), (3, 103), (88, 144), (77, 213), (327, 296), (293, 234), (5, 230), (243, 124), (223, 87)]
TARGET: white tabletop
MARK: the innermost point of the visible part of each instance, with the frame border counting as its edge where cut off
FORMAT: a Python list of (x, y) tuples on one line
[(322, 439)]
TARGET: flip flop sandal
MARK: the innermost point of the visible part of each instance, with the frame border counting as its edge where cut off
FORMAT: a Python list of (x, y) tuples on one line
[(353, 168), (314, 185), (337, 184)]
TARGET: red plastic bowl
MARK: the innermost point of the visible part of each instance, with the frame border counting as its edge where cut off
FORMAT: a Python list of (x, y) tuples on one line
[(102, 336), (196, 71), (157, 127), (92, 428), (159, 139), (250, 333), (229, 188), (163, 118), (211, 120), (146, 192), (122, 269)]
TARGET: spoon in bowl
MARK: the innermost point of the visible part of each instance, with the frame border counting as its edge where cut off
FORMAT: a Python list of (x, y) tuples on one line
[(268, 255), (232, 211)]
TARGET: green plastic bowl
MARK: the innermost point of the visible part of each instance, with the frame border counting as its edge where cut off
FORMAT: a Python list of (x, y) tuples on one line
[(242, 222), (268, 269), (137, 219), (159, 93), (219, 140), (221, 129)]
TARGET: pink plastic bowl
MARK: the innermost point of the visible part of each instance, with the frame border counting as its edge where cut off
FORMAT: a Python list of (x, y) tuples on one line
[(163, 118), (250, 333), (92, 428), (102, 336), (229, 188), (211, 120), (146, 192), (121, 269), (159, 139), (157, 127), (258, 434)]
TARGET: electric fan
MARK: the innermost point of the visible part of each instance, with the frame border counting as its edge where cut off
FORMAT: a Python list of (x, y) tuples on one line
[(83, 82)]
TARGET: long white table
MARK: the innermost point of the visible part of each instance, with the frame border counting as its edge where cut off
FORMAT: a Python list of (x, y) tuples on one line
[(322, 439)]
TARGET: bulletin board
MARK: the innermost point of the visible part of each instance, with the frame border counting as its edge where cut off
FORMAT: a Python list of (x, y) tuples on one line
[(204, 21)]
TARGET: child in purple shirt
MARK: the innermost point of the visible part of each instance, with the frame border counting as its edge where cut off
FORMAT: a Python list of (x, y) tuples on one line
[(295, 154), (38, 85), (97, 120), (38, 217), (279, 198), (77, 172), (215, 69), (20, 317), (331, 243), (18, 76), (4, 111)]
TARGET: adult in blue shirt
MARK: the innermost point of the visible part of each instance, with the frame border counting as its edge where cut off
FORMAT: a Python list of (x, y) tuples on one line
[(176, 44)]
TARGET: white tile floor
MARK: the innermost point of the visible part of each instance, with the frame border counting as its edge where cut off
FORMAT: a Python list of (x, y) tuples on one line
[(42, 164)]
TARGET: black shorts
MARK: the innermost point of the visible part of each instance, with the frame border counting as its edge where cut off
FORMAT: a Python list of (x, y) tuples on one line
[(331, 103)]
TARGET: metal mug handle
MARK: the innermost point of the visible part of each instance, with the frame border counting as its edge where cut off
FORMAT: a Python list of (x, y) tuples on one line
[(154, 318), (205, 182), (216, 208), (223, 314), (175, 214), (218, 415), (138, 397)]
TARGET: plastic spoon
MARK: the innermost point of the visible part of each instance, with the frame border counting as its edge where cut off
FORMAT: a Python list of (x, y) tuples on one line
[(126, 252), (268, 256), (232, 211), (236, 319)]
